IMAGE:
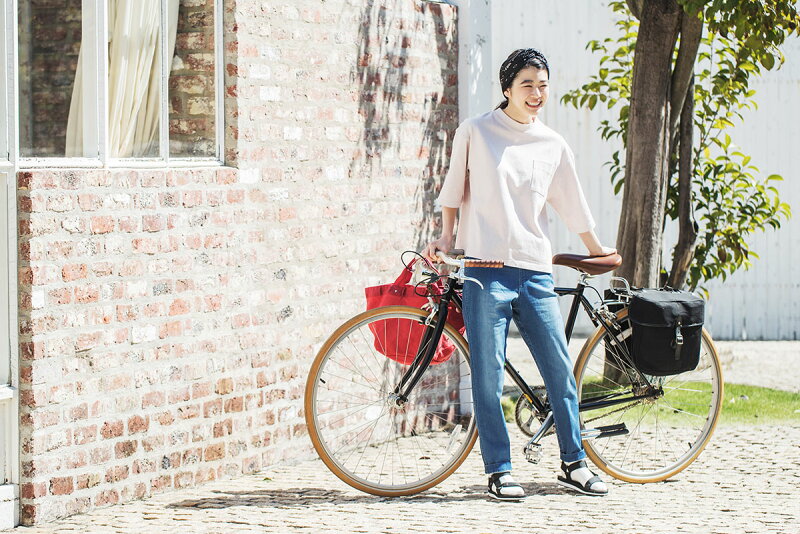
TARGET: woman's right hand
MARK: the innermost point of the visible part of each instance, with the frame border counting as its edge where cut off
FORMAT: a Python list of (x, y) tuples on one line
[(443, 244)]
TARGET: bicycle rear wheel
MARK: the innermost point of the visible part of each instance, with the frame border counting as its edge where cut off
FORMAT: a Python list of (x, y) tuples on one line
[(360, 432), (666, 433)]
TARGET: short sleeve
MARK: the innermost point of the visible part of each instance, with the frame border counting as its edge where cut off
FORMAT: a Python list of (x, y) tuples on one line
[(455, 181), (566, 195)]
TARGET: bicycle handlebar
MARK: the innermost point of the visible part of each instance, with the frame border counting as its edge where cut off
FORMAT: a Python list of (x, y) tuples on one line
[(468, 262)]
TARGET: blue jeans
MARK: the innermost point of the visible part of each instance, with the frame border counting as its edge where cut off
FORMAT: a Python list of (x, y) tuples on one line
[(527, 297)]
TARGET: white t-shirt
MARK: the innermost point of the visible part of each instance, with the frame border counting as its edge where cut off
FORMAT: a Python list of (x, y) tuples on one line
[(501, 175)]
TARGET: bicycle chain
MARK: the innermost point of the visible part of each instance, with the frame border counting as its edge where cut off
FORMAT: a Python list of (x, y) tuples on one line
[(627, 406)]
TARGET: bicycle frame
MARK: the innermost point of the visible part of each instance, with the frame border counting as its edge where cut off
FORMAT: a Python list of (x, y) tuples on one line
[(427, 351)]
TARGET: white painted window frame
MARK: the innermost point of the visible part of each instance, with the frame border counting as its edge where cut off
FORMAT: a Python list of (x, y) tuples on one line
[(9, 349), (95, 31)]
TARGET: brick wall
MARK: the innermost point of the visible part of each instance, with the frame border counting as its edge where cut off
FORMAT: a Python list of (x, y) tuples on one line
[(168, 316)]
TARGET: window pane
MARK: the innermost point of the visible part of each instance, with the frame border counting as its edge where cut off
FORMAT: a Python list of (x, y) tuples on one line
[(134, 77), (49, 47), (191, 83)]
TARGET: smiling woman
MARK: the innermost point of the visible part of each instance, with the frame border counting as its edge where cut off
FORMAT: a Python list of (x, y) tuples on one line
[(505, 167)]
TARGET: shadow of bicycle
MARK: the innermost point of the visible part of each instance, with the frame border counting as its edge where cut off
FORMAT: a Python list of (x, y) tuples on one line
[(325, 498)]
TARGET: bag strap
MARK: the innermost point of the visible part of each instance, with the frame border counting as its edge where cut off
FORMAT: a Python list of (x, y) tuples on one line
[(405, 275)]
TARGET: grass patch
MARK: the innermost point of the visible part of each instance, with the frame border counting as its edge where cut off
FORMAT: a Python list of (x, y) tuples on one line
[(757, 405), (741, 404)]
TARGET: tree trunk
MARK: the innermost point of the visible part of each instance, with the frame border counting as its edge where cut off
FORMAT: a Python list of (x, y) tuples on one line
[(639, 237), (687, 233)]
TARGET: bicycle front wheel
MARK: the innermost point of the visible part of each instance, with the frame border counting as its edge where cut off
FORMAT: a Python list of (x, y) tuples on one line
[(364, 436), (666, 432)]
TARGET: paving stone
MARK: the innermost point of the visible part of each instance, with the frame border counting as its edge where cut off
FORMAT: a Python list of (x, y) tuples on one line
[(744, 481)]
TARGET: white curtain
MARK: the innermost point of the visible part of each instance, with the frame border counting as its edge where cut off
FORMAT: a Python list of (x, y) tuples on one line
[(134, 80)]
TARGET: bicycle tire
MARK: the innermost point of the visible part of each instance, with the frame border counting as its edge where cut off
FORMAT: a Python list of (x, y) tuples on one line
[(667, 433), (371, 444)]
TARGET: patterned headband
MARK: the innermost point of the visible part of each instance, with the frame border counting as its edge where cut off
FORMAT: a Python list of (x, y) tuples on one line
[(518, 60)]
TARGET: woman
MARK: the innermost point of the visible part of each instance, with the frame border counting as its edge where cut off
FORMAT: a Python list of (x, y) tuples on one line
[(505, 165)]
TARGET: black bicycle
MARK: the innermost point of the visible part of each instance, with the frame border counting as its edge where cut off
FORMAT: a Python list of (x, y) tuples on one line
[(393, 429)]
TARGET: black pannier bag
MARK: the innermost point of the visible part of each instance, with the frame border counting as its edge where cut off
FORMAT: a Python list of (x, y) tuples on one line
[(667, 330)]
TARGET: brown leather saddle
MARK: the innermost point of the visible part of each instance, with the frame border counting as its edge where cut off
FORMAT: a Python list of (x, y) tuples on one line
[(589, 264)]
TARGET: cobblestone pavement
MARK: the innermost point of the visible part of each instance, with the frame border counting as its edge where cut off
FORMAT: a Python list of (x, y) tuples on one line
[(745, 481)]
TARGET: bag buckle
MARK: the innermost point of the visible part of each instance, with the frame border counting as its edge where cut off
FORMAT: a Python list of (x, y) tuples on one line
[(678, 341)]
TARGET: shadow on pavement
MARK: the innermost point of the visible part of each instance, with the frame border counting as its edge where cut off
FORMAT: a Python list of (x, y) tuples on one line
[(305, 497)]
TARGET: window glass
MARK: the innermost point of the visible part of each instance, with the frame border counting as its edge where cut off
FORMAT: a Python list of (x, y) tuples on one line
[(134, 77), (191, 83), (59, 88), (49, 46)]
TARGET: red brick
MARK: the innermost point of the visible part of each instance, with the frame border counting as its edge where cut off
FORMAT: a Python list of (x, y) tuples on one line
[(166, 418), (161, 483), (214, 452), (112, 429), (153, 398), (102, 224), (201, 389), (138, 423), (178, 307), (224, 386), (170, 329), (235, 404), (85, 434), (124, 449), (61, 486), (179, 395), (31, 490), (128, 224), (223, 428), (117, 473), (87, 294), (74, 272), (154, 223), (106, 497), (212, 408), (153, 443), (60, 296)]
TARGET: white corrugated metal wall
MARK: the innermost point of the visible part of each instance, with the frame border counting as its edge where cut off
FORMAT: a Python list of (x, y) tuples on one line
[(759, 304)]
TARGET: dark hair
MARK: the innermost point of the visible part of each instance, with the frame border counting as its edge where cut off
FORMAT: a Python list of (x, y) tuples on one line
[(515, 62)]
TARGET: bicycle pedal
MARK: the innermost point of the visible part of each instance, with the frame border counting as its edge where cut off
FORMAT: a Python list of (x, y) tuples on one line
[(533, 452), (604, 431)]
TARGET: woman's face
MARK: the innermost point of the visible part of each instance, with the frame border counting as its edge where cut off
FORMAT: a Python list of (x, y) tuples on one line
[(527, 94)]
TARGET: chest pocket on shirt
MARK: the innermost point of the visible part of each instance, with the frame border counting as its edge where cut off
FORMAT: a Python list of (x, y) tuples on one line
[(542, 176)]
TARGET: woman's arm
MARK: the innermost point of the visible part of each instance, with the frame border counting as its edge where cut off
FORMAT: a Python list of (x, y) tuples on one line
[(593, 244), (445, 242)]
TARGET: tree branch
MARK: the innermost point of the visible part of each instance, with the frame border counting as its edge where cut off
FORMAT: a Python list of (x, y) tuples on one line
[(635, 6), (691, 33), (687, 226)]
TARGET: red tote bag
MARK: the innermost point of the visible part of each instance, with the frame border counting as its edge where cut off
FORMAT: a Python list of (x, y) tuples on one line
[(399, 340)]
